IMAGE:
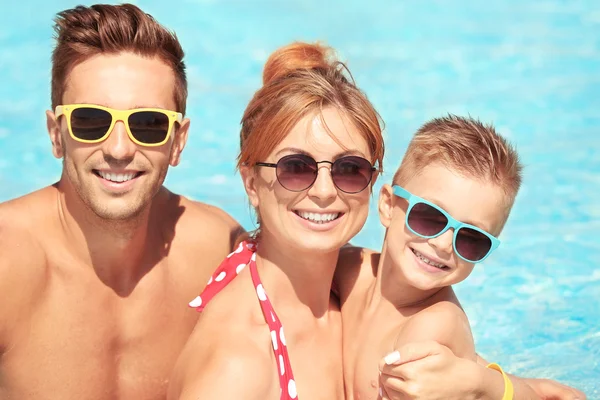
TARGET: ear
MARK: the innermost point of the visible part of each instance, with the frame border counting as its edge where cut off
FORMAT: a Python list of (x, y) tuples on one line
[(181, 135), (53, 127), (249, 179), (386, 205)]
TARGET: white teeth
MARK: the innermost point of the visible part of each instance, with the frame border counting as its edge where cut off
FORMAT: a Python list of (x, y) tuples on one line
[(109, 176), (428, 261), (317, 217)]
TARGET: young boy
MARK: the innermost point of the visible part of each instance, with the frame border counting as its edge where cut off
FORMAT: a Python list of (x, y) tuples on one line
[(448, 203)]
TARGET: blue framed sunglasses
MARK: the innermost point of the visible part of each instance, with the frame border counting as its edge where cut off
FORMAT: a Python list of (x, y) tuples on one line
[(427, 220)]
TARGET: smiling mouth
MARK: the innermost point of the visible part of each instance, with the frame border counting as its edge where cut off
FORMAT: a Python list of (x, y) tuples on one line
[(318, 218), (427, 261), (116, 177)]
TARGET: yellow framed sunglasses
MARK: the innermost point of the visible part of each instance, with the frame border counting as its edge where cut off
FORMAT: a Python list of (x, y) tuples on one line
[(91, 123)]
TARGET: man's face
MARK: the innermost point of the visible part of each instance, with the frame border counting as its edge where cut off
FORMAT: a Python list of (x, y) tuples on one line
[(118, 178)]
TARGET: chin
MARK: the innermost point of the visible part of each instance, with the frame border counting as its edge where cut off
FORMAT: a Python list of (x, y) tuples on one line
[(424, 284), (116, 209), (316, 243)]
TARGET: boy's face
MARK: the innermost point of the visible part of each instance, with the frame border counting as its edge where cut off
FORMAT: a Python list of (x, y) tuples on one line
[(433, 263)]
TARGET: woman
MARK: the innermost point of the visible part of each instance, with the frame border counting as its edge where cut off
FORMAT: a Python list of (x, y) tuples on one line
[(311, 145)]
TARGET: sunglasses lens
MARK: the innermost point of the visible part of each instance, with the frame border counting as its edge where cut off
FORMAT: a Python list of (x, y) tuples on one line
[(296, 172), (90, 123), (426, 220), (472, 245), (351, 174), (149, 127)]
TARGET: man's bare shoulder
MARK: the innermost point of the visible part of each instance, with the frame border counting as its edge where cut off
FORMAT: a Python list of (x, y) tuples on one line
[(356, 270), (210, 222), (28, 211), (23, 260), (24, 222)]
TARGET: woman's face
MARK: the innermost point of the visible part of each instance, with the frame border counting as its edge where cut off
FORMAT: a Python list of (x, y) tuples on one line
[(320, 218)]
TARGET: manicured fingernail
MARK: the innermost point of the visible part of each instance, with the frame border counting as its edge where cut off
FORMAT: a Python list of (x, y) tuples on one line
[(392, 358), (380, 392)]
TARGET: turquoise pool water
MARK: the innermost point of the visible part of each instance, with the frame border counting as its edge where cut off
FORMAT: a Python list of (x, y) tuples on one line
[(533, 68)]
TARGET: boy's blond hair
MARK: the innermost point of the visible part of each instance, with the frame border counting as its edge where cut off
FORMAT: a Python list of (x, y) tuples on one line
[(467, 146)]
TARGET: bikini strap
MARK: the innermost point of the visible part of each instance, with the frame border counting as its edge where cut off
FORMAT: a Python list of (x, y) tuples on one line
[(286, 377), (231, 266)]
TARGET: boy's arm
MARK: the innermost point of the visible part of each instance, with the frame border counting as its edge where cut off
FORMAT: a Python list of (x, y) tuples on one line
[(429, 370), (439, 358)]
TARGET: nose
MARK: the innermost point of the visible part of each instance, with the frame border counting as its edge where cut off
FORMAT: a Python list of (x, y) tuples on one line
[(323, 188), (118, 145), (443, 243)]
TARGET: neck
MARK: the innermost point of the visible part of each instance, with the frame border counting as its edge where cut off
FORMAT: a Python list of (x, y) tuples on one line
[(117, 250), (290, 277), (392, 285)]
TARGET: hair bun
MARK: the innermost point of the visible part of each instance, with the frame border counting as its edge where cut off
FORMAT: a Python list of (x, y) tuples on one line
[(296, 56)]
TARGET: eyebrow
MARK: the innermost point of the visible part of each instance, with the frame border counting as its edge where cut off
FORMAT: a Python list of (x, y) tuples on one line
[(295, 150), (132, 108), (149, 106)]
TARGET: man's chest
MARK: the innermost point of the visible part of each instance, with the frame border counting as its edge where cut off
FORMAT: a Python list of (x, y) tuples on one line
[(79, 339)]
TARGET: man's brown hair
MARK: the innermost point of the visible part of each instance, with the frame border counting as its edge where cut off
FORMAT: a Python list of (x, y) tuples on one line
[(83, 32)]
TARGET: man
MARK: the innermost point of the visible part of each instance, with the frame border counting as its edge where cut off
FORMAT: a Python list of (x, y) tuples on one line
[(96, 269)]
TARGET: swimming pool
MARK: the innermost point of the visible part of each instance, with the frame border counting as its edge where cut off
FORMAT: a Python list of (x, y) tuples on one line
[(532, 68)]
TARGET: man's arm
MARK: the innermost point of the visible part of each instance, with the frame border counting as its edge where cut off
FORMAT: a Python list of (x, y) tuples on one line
[(545, 389), (22, 263)]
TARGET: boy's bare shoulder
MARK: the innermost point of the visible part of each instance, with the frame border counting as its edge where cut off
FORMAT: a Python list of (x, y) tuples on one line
[(444, 310), (356, 270), (441, 319)]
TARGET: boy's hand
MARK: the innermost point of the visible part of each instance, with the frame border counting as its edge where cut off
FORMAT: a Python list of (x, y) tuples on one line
[(552, 390), (427, 371)]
